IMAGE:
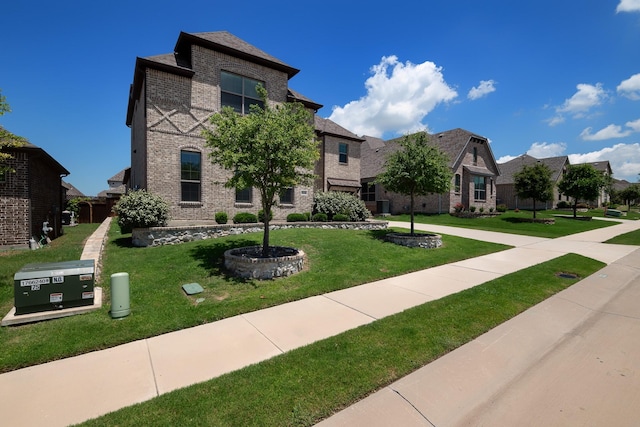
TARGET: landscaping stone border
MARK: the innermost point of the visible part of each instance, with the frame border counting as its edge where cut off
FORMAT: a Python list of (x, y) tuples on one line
[(250, 267), (425, 241), (160, 236)]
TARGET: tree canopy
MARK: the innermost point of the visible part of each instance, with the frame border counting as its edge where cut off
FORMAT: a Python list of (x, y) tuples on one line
[(417, 169), (7, 139), (272, 149), (582, 182), (534, 182)]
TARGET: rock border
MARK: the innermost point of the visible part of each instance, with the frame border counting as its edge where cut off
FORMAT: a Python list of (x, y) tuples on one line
[(422, 240), (245, 266)]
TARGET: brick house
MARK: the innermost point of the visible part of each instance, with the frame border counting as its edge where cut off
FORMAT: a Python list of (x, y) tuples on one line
[(474, 175), (171, 100), (30, 196), (505, 185), (604, 167)]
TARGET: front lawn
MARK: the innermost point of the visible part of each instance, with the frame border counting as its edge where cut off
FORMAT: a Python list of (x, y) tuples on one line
[(306, 385), (337, 259), (508, 222)]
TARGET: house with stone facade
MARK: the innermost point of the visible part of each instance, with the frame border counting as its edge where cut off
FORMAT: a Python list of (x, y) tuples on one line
[(505, 186), (171, 100), (30, 195), (471, 160)]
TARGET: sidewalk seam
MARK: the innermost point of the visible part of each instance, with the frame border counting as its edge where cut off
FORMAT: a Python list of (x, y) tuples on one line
[(413, 406)]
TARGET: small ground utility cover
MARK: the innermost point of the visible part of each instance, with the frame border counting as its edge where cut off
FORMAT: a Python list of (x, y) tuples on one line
[(567, 275), (192, 288)]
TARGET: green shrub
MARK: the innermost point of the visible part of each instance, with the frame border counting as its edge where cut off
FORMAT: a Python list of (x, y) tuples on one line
[(341, 217), (320, 217), (244, 218), (261, 215), (297, 217), (501, 208), (472, 208), (221, 217), (333, 202), (139, 209), (563, 204), (307, 215)]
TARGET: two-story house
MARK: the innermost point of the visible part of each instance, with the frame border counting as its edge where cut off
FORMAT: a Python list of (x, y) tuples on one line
[(171, 100), (472, 163)]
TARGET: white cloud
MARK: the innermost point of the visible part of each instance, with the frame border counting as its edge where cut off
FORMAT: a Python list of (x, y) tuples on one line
[(483, 89), (555, 120), (399, 96), (587, 97), (634, 125), (624, 160), (505, 159), (628, 6), (541, 150), (609, 132), (630, 87)]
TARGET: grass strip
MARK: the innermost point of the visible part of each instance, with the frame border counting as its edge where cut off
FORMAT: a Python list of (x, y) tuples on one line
[(306, 385), (510, 222), (337, 259)]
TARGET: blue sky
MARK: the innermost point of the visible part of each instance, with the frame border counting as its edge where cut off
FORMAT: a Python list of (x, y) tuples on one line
[(543, 77)]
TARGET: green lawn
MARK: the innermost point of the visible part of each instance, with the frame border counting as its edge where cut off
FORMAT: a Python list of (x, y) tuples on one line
[(631, 238), (337, 259), (308, 384), (508, 222)]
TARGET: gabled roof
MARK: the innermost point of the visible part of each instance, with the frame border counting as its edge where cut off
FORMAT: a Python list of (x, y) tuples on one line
[(119, 177), (453, 142), (602, 166), (293, 96), (510, 168), (72, 191), (329, 127), (179, 62), (36, 151)]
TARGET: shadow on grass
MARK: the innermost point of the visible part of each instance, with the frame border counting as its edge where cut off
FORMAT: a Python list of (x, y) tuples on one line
[(210, 255), (123, 242)]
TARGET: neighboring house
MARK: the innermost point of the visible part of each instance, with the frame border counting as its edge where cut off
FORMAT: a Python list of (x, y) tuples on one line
[(117, 186), (604, 167), (505, 185), (71, 191), (30, 196), (171, 100), (472, 163)]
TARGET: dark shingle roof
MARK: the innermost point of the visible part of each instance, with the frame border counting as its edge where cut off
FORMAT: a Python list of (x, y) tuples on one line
[(375, 151), (329, 127), (510, 168), (71, 190), (293, 96), (119, 177)]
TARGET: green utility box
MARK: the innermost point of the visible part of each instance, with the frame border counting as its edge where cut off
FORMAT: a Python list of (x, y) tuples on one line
[(53, 286)]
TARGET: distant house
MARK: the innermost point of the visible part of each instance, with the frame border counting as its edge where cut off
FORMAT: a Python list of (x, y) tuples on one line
[(604, 167), (31, 196), (505, 186), (171, 100), (471, 160), (117, 186), (71, 191)]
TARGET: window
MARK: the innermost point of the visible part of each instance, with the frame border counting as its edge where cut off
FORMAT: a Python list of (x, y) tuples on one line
[(239, 92), (3, 176), (475, 155), (343, 153), (286, 197), (243, 195), (190, 176), (368, 192), (480, 189), (456, 186)]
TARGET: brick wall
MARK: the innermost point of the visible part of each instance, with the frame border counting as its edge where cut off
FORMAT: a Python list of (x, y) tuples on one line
[(14, 203)]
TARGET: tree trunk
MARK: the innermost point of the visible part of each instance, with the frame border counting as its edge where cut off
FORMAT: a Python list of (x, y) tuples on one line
[(534, 208), (575, 208), (412, 216)]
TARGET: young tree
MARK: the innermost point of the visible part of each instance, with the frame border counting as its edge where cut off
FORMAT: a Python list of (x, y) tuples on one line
[(630, 195), (7, 139), (534, 182), (271, 149), (581, 182), (417, 169)]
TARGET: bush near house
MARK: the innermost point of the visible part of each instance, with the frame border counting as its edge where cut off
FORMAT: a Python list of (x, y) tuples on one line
[(333, 203), (140, 209), (297, 217), (340, 217), (221, 217), (245, 218), (320, 217)]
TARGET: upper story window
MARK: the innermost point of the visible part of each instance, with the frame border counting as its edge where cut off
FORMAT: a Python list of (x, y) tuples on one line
[(368, 192), (343, 153), (475, 155), (190, 175), (239, 92), (456, 185)]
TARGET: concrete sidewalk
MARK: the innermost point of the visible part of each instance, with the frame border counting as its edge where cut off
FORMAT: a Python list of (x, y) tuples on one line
[(75, 389)]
